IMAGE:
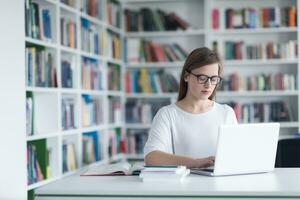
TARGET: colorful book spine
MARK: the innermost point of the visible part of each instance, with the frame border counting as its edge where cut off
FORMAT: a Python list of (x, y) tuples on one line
[(264, 17), (143, 111), (275, 111), (151, 81), (91, 149), (68, 113), (114, 77), (69, 157), (260, 82), (40, 67), (92, 111), (91, 74)]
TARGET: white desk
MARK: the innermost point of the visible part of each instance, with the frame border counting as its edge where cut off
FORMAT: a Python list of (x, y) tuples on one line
[(283, 183)]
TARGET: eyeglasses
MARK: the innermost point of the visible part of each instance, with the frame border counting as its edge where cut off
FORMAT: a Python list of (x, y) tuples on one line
[(203, 79)]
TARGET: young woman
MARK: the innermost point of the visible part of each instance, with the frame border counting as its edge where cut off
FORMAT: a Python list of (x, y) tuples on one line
[(185, 133)]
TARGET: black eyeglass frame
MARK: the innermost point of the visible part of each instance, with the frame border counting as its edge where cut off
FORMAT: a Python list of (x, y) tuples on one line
[(207, 78)]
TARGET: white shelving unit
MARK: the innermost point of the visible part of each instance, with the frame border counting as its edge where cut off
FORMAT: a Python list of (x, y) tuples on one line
[(202, 34), (48, 101)]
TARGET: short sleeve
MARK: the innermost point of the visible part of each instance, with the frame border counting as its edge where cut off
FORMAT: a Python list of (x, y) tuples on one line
[(159, 138), (230, 116)]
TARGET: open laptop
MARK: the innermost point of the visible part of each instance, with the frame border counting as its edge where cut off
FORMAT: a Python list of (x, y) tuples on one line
[(244, 149)]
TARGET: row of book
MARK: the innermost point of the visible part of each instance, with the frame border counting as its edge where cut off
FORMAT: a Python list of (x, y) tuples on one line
[(140, 111), (39, 158), (38, 21), (92, 111), (93, 8), (236, 18), (114, 77), (68, 157), (136, 140), (148, 51), (242, 50), (275, 111), (147, 19), (68, 113), (114, 110), (113, 48), (92, 39), (150, 81), (114, 13), (116, 143), (67, 72), (259, 82), (40, 67), (91, 147), (68, 32), (92, 75)]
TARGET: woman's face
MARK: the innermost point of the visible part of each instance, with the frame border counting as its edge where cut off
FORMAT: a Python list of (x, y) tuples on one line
[(201, 87)]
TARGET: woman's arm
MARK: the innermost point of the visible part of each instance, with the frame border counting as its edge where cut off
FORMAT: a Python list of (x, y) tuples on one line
[(162, 158)]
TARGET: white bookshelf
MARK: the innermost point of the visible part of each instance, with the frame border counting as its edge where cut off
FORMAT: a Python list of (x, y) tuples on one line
[(202, 34), (48, 100)]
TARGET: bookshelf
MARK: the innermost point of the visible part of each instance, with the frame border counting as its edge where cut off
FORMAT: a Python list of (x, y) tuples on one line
[(74, 108), (198, 13)]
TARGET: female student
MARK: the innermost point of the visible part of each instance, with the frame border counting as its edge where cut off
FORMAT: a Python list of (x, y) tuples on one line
[(185, 133)]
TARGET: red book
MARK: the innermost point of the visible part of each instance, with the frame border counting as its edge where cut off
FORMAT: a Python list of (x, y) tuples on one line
[(215, 18)]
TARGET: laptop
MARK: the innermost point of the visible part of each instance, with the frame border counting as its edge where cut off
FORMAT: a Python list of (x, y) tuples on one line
[(244, 149)]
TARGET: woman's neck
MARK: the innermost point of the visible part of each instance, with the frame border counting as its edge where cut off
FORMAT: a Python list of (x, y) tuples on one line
[(195, 106)]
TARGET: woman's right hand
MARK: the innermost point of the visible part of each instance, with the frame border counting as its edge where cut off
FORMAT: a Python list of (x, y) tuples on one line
[(204, 162)]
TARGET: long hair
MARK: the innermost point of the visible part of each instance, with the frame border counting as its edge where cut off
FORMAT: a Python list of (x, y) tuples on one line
[(198, 58)]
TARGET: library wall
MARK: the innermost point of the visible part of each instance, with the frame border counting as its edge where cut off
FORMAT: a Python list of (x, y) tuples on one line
[(12, 120)]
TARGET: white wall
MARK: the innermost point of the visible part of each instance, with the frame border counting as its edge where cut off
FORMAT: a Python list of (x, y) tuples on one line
[(12, 101)]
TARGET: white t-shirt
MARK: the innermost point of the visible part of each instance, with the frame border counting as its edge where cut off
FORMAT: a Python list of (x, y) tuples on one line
[(194, 135)]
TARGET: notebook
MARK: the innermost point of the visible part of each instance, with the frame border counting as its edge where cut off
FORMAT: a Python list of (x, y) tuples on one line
[(116, 169), (244, 149)]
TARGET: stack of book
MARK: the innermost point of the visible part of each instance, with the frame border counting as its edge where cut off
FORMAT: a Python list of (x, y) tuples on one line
[(164, 173)]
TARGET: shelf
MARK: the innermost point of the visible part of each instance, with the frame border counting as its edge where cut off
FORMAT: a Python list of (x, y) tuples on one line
[(93, 128), (281, 137), (152, 95), (114, 61), (289, 124), (115, 125), (255, 31), (41, 136), (117, 157), (91, 55), (156, 65), (166, 33), (93, 19), (42, 89), (41, 43), (115, 93), (137, 126), (68, 8), (41, 183), (114, 29), (135, 156), (256, 93), (50, 1), (260, 62), (70, 132), (94, 92), (68, 49), (69, 90)]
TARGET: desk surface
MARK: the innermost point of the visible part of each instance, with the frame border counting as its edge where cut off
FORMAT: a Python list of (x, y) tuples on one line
[(282, 182)]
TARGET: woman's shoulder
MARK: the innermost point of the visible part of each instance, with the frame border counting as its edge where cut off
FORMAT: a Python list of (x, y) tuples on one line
[(223, 107)]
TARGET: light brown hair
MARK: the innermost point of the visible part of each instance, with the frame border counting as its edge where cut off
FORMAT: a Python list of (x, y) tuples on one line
[(198, 58)]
